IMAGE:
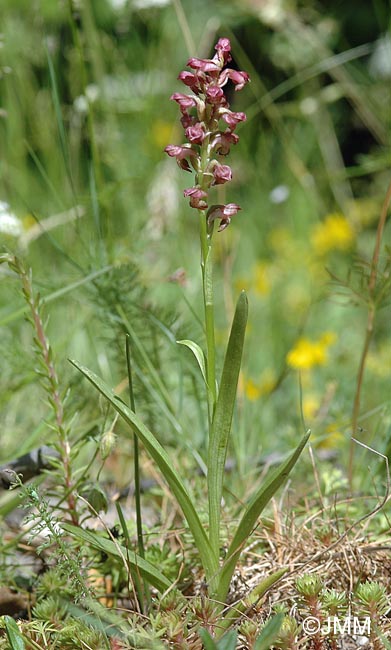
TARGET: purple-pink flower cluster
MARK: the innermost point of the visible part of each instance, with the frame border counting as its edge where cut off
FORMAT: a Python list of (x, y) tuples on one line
[(202, 114)]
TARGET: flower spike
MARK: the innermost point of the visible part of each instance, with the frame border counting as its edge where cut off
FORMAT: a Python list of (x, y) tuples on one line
[(203, 113)]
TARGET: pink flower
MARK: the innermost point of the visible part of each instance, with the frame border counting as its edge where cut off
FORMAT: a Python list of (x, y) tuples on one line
[(222, 212), (238, 77), (233, 119), (189, 79), (195, 134), (185, 101), (196, 197), (223, 45), (222, 174), (214, 95), (205, 65), (180, 153), (187, 120), (222, 141), (223, 48)]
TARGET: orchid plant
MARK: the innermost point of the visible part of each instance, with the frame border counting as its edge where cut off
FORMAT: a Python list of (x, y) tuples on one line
[(209, 127)]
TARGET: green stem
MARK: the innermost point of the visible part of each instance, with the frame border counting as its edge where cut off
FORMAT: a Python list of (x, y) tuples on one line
[(206, 234), (207, 291), (143, 593), (373, 303)]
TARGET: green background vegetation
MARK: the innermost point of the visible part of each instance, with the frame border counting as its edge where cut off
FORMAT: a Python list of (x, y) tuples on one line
[(84, 118)]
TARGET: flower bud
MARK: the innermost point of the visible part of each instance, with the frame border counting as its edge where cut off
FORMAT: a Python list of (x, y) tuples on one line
[(196, 195), (107, 444)]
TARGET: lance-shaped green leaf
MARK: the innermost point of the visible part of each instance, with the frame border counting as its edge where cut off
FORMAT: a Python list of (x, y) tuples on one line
[(199, 355), (159, 455), (227, 642), (249, 519), (269, 633), (222, 420), (236, 611), (14, 635), (146, 569)]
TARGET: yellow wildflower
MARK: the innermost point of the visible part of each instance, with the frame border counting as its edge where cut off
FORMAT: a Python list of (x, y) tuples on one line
[(334, 233), (331, 439), (252, 390), (306, 353)]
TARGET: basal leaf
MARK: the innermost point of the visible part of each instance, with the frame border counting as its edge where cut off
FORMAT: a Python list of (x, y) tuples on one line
[(158, 453), (151, 573), (227, 642), (14, 635), (235, 612), (269, 633), (249, 519)]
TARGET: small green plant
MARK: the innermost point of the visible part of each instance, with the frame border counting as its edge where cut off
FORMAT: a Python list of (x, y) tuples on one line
[(50, 382), (309, 588), (287, 638), (44, 520), (373, 602), (249, 629), (335, 605), (206, 142)]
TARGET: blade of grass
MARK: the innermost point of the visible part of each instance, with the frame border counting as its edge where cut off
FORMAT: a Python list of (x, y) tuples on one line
[(60, 122), (9, 318), (221, 425), (145, 358), (141, 588), (95, 203), (208, 557), (137, 488), (45, 176), (251, 515)]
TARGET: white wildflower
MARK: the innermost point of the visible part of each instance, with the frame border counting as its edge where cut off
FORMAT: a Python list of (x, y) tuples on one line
[(9, 222)]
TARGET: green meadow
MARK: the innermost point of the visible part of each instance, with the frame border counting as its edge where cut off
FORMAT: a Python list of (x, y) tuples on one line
[(195, 407)]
